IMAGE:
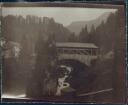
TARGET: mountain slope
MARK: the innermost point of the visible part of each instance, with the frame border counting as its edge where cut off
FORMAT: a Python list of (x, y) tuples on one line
[(77, 26)]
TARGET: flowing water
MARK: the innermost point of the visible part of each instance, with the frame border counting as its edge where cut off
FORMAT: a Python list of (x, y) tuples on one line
[(62, 84)]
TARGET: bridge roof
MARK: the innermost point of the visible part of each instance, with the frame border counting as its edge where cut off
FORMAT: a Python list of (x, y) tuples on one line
[(76, 45)]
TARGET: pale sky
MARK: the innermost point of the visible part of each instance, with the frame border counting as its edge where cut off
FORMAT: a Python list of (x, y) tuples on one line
[(61, 15)]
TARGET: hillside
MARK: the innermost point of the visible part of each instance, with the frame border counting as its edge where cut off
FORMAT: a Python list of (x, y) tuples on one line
[(77, 26)]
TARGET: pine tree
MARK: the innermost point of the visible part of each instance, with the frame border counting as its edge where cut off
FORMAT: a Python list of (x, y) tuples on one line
[(83, 36), (72, 38), (91, 36), (44, 68)]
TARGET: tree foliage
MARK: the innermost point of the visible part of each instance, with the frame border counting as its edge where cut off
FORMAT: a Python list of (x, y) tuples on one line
[(104, 34)]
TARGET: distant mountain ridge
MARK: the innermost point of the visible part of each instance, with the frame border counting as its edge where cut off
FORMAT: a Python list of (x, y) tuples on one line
[(78, 25)]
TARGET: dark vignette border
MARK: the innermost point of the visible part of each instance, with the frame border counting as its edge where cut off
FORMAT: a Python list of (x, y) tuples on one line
[(120, 76)]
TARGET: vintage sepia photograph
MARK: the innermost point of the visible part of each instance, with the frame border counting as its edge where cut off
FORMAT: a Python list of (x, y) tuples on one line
[(62, 53)]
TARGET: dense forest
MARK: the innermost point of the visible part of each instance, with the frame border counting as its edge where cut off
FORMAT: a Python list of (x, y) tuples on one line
[(103, 35), (20, 29), (27, 30)]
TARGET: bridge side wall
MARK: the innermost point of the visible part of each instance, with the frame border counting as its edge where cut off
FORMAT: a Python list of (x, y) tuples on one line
[(86, 59)]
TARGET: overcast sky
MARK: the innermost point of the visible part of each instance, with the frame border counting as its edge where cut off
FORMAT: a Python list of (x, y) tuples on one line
[(60, 14)]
